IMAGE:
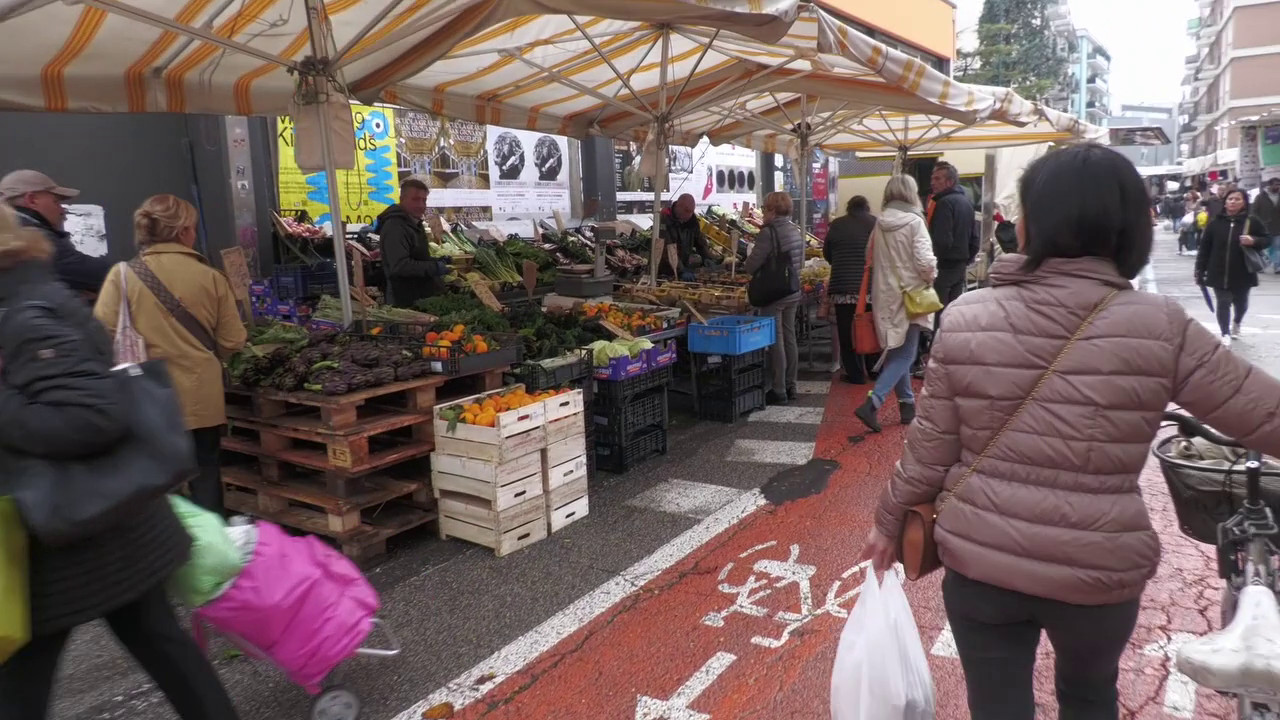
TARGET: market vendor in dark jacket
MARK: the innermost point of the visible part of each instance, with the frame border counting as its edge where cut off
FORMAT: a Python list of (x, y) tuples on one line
[(39, 202), (412, 274), (950, 218), (680, 225), (59, 402), (1221, 264)]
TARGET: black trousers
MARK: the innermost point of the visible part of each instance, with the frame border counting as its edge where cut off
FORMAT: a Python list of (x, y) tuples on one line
[(857, 366), (997, 632), (150, 632), (950, 286), (1229, 300), (206, 488)]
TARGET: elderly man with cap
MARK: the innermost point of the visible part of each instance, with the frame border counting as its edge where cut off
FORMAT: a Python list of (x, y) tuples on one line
[(680, 227), (38, 200)]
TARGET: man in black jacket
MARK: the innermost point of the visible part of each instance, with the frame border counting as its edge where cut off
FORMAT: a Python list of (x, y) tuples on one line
[(951, 229), (412, 274), (39, 203), (680, 226)]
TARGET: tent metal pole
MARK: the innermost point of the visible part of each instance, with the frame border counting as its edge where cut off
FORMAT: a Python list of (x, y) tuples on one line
[(365, 31), (605, 57), (146, 17), (805, 166), (562, 79), (320, 53), (660, 147)]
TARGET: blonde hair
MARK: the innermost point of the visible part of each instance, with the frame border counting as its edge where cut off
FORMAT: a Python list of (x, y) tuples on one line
[(20, 244), (779, 203), (902, 188), (161, 219)]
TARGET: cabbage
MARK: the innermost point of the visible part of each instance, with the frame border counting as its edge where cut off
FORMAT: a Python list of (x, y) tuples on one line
[(602, 351), (637, 346)]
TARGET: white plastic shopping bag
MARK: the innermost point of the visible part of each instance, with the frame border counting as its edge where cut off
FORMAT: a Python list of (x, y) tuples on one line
[(881, 672)]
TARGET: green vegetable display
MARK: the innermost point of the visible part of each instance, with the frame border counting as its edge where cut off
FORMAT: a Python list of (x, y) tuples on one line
[(603, 351)]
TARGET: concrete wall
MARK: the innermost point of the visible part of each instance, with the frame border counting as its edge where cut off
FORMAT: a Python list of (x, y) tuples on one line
[(1148, 156), (117, 161), (927, 24)]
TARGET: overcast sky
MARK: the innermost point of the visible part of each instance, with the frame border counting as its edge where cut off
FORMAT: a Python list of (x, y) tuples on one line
[(1147, 40)]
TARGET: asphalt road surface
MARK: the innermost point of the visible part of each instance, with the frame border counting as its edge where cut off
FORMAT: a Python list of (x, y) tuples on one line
[(639, 610)]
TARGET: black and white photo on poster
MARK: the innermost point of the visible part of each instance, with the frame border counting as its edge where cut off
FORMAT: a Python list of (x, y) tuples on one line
[(529, 173)]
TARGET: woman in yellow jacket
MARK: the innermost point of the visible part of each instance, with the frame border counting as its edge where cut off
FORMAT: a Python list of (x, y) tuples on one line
[(186, 312)]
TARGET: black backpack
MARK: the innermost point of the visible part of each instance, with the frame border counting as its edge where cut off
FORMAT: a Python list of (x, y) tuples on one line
[(774, 280)]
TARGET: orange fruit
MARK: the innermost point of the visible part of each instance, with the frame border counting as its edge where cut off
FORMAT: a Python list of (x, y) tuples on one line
[(445, 343), (432, 338), (488, 419), (459, 329), (477, 338), (468, 418), (481, 347)]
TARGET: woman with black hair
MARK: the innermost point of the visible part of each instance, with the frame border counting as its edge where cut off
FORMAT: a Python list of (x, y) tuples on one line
[(1230, 259), (845, 248), (1036, 421)]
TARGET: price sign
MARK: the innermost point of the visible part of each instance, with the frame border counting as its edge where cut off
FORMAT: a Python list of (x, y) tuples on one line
[(659, 244), (537, 232), (437, 227), (237, 270), (559, 220), (530, 274), (485, 295), (673, 257)]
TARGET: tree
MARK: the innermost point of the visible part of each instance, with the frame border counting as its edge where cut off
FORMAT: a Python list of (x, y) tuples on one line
[(1017, 49)]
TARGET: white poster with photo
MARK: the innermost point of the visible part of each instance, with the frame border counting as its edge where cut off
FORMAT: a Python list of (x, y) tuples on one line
[(87, 225), (528, 173), (724, 175)]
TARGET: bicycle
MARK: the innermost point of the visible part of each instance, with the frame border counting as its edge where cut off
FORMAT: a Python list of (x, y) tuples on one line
[(1243, 658)]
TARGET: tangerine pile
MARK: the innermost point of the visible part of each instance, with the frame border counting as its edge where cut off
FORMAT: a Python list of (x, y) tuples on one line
[(438, 343), (485, 413)]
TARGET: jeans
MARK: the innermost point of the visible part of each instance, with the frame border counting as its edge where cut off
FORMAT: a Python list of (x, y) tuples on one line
[(1228, 299), (997, 632), (206, 488), (895, 373), (785, 353), (150, 632)]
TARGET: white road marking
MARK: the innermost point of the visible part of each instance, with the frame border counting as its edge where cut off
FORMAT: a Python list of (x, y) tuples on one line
[(682, 497), (677, 708), (789, 414), (946, 644), (771, 452), (1179, 690), (813, 387), (492, 671)]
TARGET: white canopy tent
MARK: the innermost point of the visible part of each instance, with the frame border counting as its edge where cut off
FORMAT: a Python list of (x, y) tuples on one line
[(577, 67)]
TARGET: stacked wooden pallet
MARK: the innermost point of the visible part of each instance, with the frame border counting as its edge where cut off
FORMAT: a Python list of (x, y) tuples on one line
[(506, 487), (348, 467)]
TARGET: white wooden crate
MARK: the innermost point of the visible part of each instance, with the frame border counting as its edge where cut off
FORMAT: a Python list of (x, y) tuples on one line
[(506, 424), (504, 451), (566, 493), (572, 511), (497, 473), (564, 473), (566, 427), (561, 406), (505, 532), (561, 452)]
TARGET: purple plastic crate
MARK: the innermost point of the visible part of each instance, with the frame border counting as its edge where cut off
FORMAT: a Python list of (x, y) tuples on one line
[(260, 289), (320, 324), (621, 368), (660, 357)]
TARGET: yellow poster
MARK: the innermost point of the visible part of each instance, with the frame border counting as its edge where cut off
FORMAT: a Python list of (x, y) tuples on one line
[(364, 192)]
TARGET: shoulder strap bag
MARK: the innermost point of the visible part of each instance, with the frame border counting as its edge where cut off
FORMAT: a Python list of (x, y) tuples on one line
[(1254, 261), (775, 279), (173, 304), (129, 345), (917, 550), (865, 338)]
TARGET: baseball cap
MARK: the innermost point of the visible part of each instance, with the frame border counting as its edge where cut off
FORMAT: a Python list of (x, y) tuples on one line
[(21, 182)]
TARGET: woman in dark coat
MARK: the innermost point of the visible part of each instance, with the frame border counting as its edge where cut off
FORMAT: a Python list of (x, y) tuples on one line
[(1220, 263), (58, 401), (845, 248)]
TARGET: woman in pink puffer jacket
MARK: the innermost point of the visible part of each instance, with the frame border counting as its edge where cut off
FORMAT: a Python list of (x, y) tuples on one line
[(1050, 532)]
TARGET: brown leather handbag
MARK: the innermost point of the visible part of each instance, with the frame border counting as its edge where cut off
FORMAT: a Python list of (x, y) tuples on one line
[(917, 550), (865, 338)]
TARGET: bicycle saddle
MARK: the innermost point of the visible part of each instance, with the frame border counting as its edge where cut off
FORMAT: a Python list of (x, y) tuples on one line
[(1243, 657)]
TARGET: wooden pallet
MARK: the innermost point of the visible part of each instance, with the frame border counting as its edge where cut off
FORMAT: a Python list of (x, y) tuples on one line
[(366, 447), (378, 507)]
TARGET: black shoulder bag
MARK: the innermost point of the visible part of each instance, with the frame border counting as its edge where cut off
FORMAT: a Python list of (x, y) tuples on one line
[(775, 279)]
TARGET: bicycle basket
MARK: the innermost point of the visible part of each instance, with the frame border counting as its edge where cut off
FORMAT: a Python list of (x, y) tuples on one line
[(1204, 499)]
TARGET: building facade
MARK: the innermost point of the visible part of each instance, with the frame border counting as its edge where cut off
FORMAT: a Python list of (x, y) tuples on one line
[(1232, 79), (1085, 91), (1163, 116), (923, 29)]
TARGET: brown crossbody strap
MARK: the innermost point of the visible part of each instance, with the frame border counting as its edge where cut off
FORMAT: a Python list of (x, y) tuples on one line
[(1053, 368), (172, 304)]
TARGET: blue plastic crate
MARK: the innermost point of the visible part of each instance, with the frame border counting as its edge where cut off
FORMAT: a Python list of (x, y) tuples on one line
[(303, 281), (732, 335)]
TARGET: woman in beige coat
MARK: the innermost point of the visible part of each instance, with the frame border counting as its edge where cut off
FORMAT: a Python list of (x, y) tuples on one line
[(165, 232), (902, 259), (1049, 532)]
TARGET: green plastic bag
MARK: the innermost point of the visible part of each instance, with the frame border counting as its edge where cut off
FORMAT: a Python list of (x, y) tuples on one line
[(15, 597), (214, 562)]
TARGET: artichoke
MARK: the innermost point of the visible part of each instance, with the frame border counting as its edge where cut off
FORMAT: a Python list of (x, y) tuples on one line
[(335, 386), (383, 375)]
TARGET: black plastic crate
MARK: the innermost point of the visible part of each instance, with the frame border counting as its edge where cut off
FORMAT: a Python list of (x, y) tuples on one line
[(731, 409), (725, 385), (730, 364), (453, 360), (299, 281), (569, 370), (616, 424), (621, 458), (609, 393)]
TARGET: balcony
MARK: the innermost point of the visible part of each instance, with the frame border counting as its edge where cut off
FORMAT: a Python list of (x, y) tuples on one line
[(1097, 81), (1096, 110)]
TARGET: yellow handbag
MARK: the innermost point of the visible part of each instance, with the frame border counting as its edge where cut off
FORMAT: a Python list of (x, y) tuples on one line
[(921, 301), (15, 598)]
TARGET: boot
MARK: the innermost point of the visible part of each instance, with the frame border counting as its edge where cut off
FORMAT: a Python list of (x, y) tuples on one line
[(867, 414), (907, 412)]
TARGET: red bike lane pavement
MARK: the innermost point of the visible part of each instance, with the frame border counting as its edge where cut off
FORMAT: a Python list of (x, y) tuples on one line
[(747, 626)]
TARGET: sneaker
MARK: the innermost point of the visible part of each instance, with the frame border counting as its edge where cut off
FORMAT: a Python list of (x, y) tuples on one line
[(907, 412), (775, 398), (792, 394), (1235, 330), (867, 414), (1226, 341)]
